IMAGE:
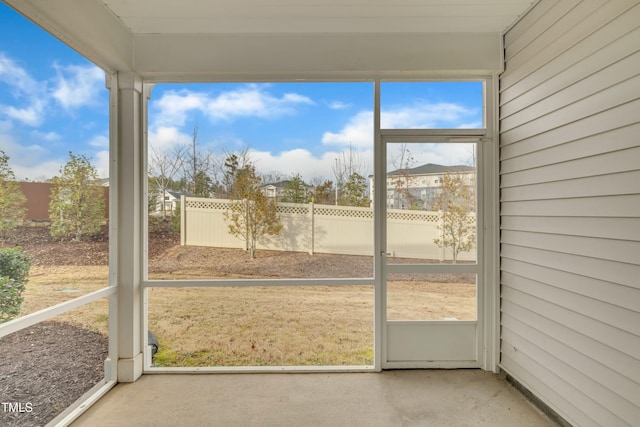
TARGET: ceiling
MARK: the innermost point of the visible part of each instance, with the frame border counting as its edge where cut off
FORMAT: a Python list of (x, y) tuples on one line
[(316, 16), (205, 40)]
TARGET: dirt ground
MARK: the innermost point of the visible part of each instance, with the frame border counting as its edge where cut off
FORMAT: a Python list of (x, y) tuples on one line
[(52, 364)]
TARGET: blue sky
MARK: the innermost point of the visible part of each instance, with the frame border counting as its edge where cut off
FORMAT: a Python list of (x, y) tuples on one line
[(52, 101)]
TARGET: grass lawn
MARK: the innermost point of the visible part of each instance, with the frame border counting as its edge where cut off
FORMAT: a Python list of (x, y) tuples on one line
[(244, 326), (254, 326), (51, 285)]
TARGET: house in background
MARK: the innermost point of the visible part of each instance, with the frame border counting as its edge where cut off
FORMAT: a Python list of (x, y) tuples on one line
[(418, 187), (275, 191), (558, 169), (169, 202), (278, 190)]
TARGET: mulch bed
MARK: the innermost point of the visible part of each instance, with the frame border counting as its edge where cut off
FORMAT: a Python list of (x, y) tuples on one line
[(48, 366), (45, 368)]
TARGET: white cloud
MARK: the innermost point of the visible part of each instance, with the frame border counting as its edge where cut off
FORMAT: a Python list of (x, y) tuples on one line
[(165, 137), (74, 86), (46, 136), (99, 141), (33, 161), (247, 101), (288, 163), (37, 161), (26, 91), (253, 101), (42, 171), (173, 106), (77, 85), (358, 132), (338, 105), (101, 163), (425, 116), (17, 77), (303, 162), (31, 115), (294, 98), (438, 153)]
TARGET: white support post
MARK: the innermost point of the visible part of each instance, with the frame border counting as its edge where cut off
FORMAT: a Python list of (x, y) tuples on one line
[(183, 220), (111, 363), (491, 223), (313, 229), (380, 238), (129, 219)]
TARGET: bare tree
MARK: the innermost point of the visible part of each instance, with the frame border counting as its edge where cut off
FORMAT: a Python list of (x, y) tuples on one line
[(272, 177), (323, 191), (402, 162), (163, 169), (345, 166), (198, 168), (230, 166)]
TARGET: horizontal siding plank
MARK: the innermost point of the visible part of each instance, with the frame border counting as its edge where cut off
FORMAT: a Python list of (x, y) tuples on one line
[(609, 228), (614, 96), (622, 363), (616, 73), (607, 142), (571, 404), (608, 271), (556, 14), (579, 41), (590, 186), (522, 29), (609, 163), (624, 319), (618, 50), (511, 88), (567, 23), (622, 296), (606, 249), (600, 124), (606, 334), (612, 407), (607, 206)]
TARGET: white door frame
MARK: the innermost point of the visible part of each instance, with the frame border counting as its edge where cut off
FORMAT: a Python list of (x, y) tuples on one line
[(486, 326), (430, 343)]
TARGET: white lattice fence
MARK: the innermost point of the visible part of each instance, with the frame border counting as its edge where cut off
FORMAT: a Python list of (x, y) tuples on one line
[(319, 228)]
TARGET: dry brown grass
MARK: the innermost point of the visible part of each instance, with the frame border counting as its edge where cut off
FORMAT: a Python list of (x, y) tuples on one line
[(422, 300), (51, 285), (255, 326), (293, 325)]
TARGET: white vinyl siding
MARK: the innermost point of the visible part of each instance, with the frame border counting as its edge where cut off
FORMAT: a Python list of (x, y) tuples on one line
[(570, 208)]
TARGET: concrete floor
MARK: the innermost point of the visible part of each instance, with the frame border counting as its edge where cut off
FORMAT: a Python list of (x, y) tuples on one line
[(390, 398)]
